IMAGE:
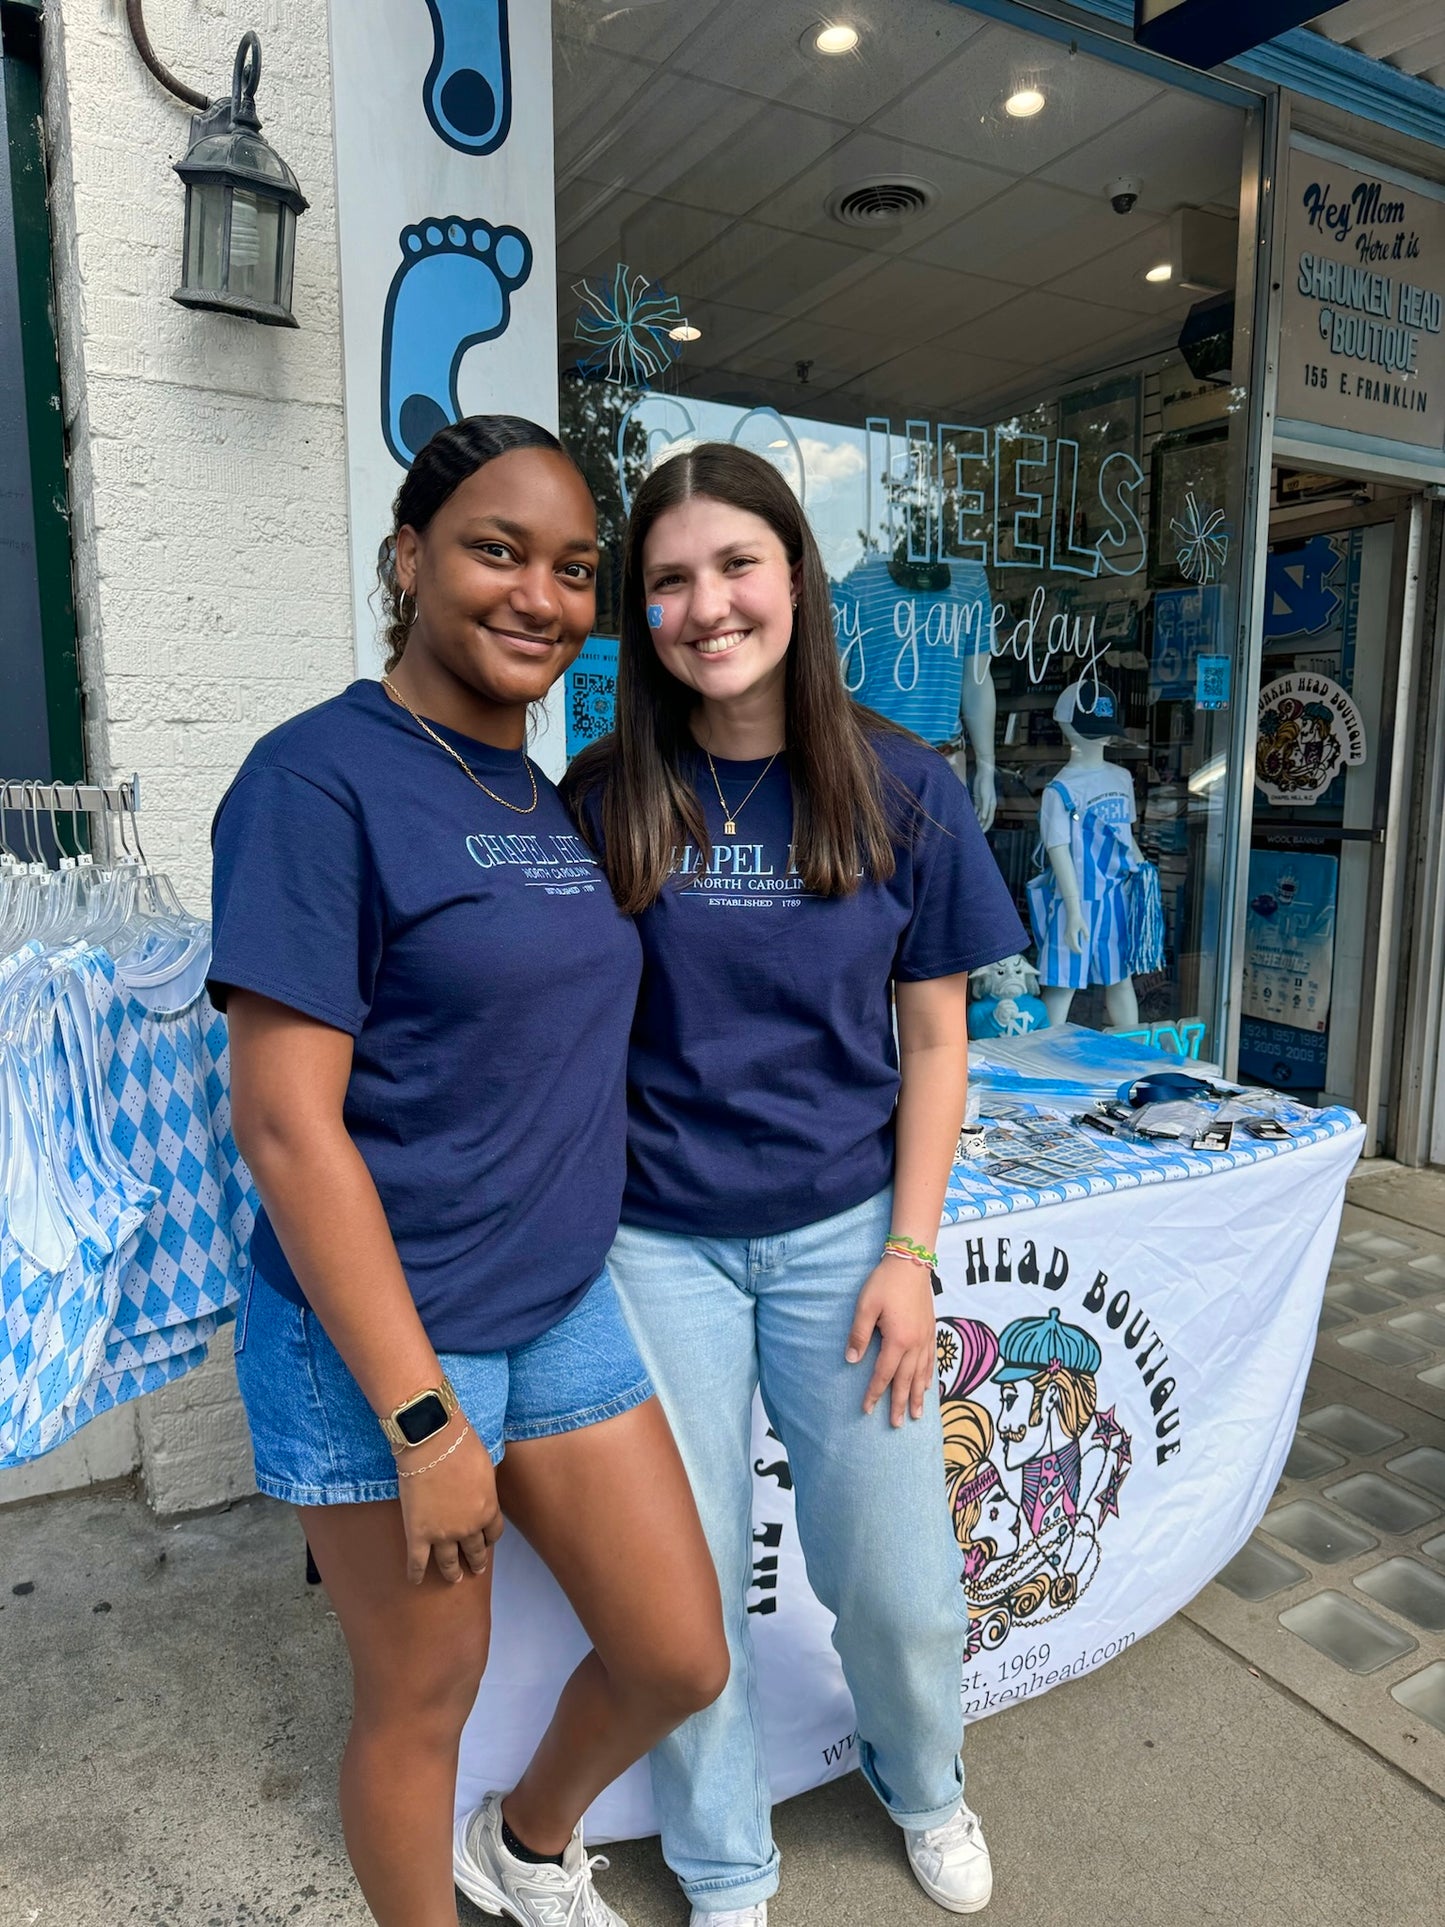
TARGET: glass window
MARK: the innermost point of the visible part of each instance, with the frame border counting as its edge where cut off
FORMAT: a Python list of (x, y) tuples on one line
[(972, 291)]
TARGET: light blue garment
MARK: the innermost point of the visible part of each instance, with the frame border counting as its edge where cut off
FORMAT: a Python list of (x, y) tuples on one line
[(905, 652), (714, 1319), (126, 1210), (1092, 816)]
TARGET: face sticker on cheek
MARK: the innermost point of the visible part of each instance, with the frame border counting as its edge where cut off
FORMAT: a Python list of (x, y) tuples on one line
[(655, 614)]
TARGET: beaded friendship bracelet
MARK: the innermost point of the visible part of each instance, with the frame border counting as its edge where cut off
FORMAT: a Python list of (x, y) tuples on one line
[(895, 1245)]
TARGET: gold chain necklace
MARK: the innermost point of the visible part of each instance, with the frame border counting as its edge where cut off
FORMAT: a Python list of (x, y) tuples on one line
[(460, 761), (730, 817)]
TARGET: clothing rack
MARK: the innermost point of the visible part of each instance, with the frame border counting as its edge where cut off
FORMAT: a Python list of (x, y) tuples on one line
[(31, 797), (94, 799)]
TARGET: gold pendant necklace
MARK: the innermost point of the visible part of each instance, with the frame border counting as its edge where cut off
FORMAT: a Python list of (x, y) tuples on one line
[(396, 696), (730, 817)]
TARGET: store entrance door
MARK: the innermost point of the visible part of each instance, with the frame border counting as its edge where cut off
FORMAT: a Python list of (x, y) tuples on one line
[(1321, 951)]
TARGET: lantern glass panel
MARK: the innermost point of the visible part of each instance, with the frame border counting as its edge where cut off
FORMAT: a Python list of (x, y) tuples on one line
[(205, 253), (255, 223), (287, 261)]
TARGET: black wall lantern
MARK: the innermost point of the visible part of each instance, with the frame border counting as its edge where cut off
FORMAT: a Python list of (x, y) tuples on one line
[(241, 198)]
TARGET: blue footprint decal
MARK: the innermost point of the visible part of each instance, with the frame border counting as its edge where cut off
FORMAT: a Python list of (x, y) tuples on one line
[(453, 289), (468, 89)]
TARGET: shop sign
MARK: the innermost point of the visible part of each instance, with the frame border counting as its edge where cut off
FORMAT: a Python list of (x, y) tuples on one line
[(1309, 730), (1362, 339)]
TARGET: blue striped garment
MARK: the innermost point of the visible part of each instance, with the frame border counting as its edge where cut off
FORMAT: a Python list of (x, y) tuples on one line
[(904, 651), (1100, 845)]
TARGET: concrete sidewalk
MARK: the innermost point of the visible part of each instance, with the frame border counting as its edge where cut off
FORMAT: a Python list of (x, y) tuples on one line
[(175, 1701)]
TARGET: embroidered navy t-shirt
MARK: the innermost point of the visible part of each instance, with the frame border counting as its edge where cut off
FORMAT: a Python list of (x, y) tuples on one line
[(763, 1073), (488, 978)]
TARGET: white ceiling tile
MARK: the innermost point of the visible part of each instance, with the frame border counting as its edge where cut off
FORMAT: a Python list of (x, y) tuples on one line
[(837, 355), (1183, 151), (941, 387), (651, 28), (1036, 326), (899, 299), (775, 272), (756, 45), (649, 234), (588, 93), (960, 107), (1027, 235), (705, 145), (727, 333), (1115, 278), (590, 218), (867, 156)]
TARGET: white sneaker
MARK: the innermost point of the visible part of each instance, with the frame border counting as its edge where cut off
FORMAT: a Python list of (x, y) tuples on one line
[(537, 1895), (754, 1916), (951, 1863)]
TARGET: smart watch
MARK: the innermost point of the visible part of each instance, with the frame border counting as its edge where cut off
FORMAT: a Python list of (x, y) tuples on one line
[(420, 1417)]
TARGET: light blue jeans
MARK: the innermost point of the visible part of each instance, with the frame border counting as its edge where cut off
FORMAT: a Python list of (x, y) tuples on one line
[(714, 1319)]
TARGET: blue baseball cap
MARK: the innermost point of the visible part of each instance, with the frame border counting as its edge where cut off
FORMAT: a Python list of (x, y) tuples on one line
[(1090, 709), (1032, 1345)]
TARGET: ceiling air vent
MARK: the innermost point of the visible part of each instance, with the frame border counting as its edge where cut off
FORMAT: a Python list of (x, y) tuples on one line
[(887, 201)]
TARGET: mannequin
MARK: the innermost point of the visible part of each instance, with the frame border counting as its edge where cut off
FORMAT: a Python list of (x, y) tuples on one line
[(1080, 925), (1004, 999), (979, 710), (914, 639)]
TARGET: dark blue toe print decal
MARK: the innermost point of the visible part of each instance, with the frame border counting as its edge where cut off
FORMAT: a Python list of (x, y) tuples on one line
[(468, 89)]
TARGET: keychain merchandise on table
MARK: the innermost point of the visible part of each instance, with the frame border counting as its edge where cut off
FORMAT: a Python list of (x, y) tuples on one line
[(1031, 1133)]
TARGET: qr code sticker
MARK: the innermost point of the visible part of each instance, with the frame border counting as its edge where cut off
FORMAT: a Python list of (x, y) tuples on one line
[(593, 699)]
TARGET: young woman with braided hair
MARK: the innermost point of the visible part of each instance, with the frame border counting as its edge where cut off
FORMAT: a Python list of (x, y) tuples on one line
[(429, 990)]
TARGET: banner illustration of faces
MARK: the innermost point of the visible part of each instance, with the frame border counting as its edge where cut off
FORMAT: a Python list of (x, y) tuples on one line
[(454, 286)]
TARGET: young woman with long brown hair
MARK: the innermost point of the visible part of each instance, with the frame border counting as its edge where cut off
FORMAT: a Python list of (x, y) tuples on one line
[(800, 873), (429, 990)]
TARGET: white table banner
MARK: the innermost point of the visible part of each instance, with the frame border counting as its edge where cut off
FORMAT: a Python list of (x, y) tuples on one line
[(1121, 1377)]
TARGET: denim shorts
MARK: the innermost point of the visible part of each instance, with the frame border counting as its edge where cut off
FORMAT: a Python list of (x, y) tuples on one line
[(317, 1440)]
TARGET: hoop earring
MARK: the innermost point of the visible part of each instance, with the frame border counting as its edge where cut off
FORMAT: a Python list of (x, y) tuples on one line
[(401, 615)]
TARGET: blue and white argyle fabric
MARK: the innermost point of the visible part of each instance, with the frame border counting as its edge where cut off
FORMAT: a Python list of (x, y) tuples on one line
[(167, 1097), (126, 1212)]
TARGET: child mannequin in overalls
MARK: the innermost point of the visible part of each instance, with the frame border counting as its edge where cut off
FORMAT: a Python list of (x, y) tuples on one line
[(1078, 907)]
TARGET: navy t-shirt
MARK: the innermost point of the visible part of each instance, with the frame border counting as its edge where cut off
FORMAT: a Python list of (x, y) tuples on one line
[(478, 959), (763, 1073)]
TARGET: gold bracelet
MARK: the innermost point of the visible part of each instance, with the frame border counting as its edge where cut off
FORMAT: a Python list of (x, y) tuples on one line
[(434, 1463)]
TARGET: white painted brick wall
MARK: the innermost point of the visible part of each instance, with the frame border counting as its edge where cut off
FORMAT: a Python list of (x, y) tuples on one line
[(208, 480), (208, 453)]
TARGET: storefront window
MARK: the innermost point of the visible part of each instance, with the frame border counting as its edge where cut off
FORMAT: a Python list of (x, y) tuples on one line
[(972, 291)]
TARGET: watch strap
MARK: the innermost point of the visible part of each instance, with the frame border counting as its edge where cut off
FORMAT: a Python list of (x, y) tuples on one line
[(391, 1424)]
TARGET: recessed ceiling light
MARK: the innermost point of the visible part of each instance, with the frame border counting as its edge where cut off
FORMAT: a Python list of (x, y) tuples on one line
[(684, 331), (1025, 102), (1164, 272), (833, 37)]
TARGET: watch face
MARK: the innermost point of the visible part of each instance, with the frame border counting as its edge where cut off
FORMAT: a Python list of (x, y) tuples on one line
[(421, 1418)]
